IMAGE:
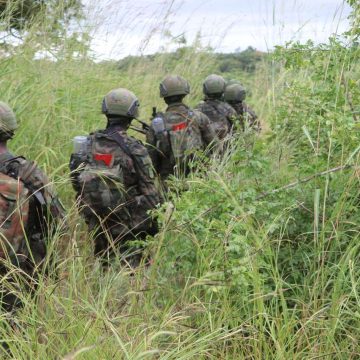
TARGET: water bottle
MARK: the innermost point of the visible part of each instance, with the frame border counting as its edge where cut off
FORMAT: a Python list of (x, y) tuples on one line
[(80, 145), (158, 125)]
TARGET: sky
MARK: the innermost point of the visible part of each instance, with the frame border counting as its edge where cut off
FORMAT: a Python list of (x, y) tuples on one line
[(133, 27)]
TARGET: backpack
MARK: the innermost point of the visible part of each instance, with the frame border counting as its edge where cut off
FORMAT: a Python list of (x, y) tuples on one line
[(101, 180), (217, 115), (26, 189), (181, 133), (14, 210)]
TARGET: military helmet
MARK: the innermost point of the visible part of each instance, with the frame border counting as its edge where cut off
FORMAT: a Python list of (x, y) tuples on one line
[(174, 85), (214, 84), (121, 102), (232, 82), (7, 118), (235, 93)]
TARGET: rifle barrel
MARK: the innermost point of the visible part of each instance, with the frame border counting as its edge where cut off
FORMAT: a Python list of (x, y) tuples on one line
[(138, 130), (143, 123)]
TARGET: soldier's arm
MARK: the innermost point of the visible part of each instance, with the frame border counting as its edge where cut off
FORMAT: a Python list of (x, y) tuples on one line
[(75, 164), (52, 200), (207, 131), (150, 196), (41, 188)]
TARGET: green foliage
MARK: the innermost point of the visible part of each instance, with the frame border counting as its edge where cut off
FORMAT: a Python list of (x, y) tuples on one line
[(239, 270), (21, 14), (354, 32), (245, 60), (239, 63)]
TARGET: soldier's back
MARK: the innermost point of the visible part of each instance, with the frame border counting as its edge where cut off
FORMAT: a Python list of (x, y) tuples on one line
[(117, 183), (30, 210), (220, 115), (177, 140)]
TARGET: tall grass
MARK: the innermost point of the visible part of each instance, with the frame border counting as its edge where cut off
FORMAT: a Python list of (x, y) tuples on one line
[(234, 274)]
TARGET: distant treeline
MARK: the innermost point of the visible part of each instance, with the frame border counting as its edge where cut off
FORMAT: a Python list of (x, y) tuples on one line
[(245, 60)]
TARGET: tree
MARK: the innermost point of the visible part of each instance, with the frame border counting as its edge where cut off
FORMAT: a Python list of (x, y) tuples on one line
[(354, 32), (18, 15)]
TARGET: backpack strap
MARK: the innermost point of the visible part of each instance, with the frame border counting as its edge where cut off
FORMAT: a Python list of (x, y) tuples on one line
[(29, 169), (187, 118), (6, 157), (7, 169), (115, 135), (120, 141), (5, 165)]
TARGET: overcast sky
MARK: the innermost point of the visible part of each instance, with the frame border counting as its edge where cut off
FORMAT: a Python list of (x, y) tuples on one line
[(123, 27)]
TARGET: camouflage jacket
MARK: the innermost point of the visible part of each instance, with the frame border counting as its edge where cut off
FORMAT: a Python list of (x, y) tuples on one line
[(247, 115), (221, 115), (160, 147), (135, 192), (44, 210)]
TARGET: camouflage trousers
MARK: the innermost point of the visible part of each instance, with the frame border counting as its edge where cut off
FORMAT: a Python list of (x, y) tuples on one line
[(112, 236)]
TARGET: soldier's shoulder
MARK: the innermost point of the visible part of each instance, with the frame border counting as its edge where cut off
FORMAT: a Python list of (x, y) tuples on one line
[(100, 133), (30, 172), (226, 105), (229, 108), (199, 115), (200, 105), (21, 162), (133, 143), (140, 153)]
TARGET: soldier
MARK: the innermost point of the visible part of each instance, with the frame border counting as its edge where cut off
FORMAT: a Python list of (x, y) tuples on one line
[(221, 114), (29, 213), (113, 176), (235, 95), (176, 135)]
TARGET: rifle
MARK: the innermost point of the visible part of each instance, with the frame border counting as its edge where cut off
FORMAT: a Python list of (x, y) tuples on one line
[(145, 126), (142, 131)]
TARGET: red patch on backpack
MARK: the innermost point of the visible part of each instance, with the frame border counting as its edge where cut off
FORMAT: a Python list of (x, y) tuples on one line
[(180, 126), (106, 158)]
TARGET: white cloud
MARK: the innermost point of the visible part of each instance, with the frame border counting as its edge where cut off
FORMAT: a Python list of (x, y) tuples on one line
[(123, 27)]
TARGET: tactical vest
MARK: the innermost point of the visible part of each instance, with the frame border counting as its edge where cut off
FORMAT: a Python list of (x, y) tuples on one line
[(108, 177), (101, 179), (14, 209), (246, 115), (180, 135), (24, 205)]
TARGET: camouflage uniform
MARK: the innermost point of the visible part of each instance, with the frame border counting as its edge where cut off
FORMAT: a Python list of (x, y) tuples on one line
[(246, 115), (185, 131), (235, 95), (29, 213), (221, 114), (116, 200)]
